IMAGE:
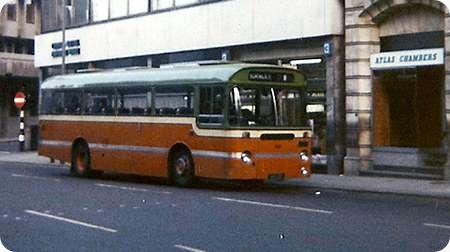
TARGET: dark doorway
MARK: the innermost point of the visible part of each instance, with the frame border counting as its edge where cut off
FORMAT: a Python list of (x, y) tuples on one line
[(408, 107)]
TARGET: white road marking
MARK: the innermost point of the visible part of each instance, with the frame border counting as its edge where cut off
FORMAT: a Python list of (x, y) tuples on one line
[(26, 176), (33, 177), (256, 203), (437, 226), (135, 189), (188, 248), (5, 152), (71, 221)]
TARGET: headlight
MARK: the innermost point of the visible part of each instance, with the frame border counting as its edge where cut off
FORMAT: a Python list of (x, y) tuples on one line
[(304, 156), (304, 171), (246, 157)]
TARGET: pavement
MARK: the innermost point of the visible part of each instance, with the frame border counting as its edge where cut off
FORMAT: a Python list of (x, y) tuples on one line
[(415, 187), (9, 144)]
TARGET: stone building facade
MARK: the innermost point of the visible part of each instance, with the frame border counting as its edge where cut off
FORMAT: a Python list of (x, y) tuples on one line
[(397, 87), (19, 22)]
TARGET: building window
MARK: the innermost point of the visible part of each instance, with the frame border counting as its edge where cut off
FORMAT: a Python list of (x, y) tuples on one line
[(138, 6), (11, 12), (30, 13), (167, 4), (162, 4), (185, 2), (119, 8), (100, 10), (80, 12), (9, 47)]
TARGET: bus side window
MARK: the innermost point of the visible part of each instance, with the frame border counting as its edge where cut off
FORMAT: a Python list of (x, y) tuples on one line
[(99, 102), (174, 101), (72, 103), (134, 101), (211, 106), (47, 100), (57, 104)]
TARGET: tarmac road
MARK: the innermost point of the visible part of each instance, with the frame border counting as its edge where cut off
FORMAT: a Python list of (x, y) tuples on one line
[(43, 208)]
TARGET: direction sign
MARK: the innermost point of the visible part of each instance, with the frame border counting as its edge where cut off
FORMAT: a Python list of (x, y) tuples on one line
[(19, 100)]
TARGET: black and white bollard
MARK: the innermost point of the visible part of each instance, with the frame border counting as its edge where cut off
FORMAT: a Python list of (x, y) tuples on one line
[(22, 131)]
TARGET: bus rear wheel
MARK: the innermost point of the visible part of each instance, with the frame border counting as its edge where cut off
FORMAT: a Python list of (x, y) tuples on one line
[(182, 172), (81, 161)]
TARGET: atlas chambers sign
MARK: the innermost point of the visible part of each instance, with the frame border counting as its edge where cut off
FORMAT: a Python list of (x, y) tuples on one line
[(404, 59)]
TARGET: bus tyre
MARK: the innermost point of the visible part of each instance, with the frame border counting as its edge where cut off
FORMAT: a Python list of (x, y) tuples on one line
[(81, 161), (182, 172)]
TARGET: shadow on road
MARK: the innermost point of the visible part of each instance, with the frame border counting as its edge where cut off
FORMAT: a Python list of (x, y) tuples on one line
[(200, 184)]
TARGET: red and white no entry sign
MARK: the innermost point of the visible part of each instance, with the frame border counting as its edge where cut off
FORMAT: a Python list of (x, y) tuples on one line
[(19, 100)]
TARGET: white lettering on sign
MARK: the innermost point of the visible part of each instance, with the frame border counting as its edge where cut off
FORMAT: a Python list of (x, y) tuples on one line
[(404, 59)]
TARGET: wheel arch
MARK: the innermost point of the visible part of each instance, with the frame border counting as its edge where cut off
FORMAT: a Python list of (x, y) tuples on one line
[(77, 141)]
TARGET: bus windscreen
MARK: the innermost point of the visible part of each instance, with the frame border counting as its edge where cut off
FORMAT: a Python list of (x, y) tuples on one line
[(266, 107)]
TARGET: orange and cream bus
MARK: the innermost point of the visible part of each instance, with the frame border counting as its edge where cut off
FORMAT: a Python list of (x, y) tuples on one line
[(223, 121)]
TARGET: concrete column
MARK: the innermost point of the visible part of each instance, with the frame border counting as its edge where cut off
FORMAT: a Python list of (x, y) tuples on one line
[(335, 107), (20, 16), (38, 17)]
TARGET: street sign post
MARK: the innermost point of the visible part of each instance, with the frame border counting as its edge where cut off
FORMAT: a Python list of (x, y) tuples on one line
[(19, 101)]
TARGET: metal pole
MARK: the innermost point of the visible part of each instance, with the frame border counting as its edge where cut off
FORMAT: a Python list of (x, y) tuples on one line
[(22, 131), (63, 29)]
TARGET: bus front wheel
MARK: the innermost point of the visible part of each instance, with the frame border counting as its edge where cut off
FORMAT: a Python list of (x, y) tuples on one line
[(81, 160), (182, 171)]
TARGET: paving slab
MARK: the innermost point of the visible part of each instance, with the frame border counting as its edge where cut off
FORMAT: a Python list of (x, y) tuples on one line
[(417, 187), (23, 157)]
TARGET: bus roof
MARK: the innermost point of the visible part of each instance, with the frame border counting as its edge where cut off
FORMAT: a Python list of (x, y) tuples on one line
[(218, 73)]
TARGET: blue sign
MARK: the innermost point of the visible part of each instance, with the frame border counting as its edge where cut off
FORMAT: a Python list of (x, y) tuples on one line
[(72, 48), (327, 48), (225, 55)]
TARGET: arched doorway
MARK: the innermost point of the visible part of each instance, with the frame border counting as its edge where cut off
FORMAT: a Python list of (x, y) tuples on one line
[(408, 78)]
